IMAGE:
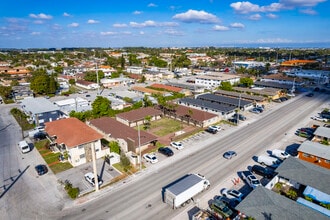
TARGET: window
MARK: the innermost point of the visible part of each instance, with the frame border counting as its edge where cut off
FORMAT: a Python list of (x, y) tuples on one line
[(307, 155), (80, 146), (82, 156), (327, 161)]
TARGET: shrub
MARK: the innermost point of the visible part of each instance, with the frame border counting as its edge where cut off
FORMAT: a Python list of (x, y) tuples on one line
[(73, 192)]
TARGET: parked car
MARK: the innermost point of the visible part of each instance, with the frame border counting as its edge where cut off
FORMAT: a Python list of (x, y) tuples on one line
[(211, 130), (229, 202), (240, 117), (310, 94), (229, 154), (166, 151), (89, 177), (283, 99), (40, 136), (216, 127), (41, 169), (222, 209), (268, 161), (317, 118), (232, 194), (177, 145), (255, 111), (233, 120), (263, 171), (304, 134), (250, 179), (280, 154), (150, 158)]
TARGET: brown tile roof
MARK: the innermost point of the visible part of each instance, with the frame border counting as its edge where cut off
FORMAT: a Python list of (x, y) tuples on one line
[(119, 130), (197, 115), (139, 114), (71, 132), (166, 87), (84, 82)]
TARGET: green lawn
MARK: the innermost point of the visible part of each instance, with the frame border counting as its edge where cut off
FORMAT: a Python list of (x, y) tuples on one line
[(165, 126)]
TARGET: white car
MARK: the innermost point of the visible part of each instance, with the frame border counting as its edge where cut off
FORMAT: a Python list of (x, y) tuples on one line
[(317, 118), (152, 158), (216, 127), (232, 194), (89, 177), (177, 145)]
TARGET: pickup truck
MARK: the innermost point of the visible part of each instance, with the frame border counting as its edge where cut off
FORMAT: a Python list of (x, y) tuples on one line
[(250, 179)]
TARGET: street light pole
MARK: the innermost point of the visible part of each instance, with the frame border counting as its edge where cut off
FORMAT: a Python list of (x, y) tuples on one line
[(140, 147)]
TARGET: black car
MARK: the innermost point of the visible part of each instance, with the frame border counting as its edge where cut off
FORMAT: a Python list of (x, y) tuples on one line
[(166, 151), (263, 171), (233, 120), (40, 136), (240, 117), (310, 94), (283, 99), (41, 169)]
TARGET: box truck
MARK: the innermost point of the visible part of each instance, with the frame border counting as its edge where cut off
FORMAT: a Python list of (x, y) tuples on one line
[(181, 192)]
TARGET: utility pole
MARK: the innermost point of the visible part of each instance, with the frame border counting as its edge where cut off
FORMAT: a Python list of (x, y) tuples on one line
[(239, 108), (94, 167), (139, 146)]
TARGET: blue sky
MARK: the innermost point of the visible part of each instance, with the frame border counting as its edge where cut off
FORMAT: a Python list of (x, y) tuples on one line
[(179, 23)]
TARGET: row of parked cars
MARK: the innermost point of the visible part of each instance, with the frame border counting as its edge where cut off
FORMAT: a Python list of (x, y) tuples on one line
[(167, 151)]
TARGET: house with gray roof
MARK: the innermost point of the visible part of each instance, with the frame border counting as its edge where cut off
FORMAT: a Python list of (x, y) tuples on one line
[(322, 134), (304, 178), (40, 110), (315, 153)]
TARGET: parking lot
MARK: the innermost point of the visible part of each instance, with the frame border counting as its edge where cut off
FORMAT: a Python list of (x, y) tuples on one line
[(76, 175)]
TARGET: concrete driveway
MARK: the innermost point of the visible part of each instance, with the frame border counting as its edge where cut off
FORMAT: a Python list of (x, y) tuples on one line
[(76, 175)]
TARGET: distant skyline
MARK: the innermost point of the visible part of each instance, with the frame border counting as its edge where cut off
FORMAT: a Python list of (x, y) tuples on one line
[(105, 23)]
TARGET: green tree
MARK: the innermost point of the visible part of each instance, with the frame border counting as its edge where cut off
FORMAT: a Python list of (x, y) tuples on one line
[(14, 82), (72, 81), (246, 81), (101, 106), (146, 101), (147, 122), (226, 86), (114, 147), (143, 79), (92, 77), (42, 83), (124, 161)]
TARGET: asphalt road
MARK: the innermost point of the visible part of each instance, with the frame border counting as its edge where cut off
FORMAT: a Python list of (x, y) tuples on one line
[(26, 196), (140, 197)]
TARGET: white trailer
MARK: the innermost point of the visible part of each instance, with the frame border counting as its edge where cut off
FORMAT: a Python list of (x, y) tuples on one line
[(181, 192)]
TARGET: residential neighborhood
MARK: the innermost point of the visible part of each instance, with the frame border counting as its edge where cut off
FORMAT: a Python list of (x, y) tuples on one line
[(100, 122)]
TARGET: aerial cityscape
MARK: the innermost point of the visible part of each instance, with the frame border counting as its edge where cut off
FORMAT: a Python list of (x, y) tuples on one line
[(170, 110)]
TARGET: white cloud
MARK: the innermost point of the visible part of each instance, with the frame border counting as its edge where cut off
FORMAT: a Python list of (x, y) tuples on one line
[(272, 16), (137, 12), (119, 25), (41, 16), (255, 17), (141, 32), (244, 7), (308, 11), (126, 32), (56, 27), (35, 33), (108, 33), (248, 7), (151, 23), (152, 5), (220, 28), (91, 21), (73, 25), (38, 22), (66, 14), (193, 16), (237, 25), (300, 3), (173, 32)]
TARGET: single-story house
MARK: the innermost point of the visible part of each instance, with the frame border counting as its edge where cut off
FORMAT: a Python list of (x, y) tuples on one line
[(316, 153), (77, 139), (322, 134), (128, 138), (138, 116), (86, 84)]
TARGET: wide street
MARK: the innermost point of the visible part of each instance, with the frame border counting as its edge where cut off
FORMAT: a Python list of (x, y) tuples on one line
[(24, 196)]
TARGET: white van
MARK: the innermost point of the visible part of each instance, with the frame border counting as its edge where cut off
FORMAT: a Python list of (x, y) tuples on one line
[(24, 146), (280, 154), (268, 161)]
